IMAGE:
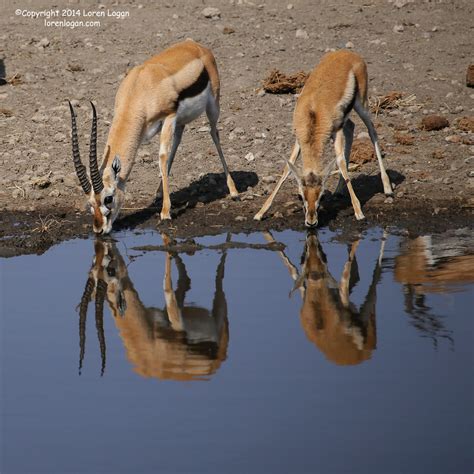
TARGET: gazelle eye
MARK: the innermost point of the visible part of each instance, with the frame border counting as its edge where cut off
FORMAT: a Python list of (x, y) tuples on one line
[(108, 201)]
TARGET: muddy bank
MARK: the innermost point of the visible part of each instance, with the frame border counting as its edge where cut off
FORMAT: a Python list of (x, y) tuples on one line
[(36, 231)]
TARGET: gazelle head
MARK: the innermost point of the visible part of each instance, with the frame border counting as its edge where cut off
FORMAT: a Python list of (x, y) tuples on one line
[(310, 189), (105, 196)]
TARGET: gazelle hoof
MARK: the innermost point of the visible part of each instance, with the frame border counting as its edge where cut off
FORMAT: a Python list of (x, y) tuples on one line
[(235, 197), (165, 216), (360, 216), (257, 217)]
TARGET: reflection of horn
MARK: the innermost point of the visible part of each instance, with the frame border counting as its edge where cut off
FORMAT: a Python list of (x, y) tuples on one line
[(97, 183), (99, 319), (76, 158), (86, 297)]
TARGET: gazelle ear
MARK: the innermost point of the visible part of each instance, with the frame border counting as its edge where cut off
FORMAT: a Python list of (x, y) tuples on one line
[(116, 166), (294, 172)]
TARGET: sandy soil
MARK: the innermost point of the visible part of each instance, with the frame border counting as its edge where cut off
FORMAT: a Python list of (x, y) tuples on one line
[(419, 48)]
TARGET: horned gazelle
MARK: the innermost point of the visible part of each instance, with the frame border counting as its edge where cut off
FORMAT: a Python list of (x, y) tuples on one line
[(163, 94), (337, 85)]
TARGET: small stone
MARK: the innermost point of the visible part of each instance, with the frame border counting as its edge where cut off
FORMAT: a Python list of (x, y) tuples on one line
[(59, 137), (278, 215), (250, 157), (434, 122), (211, 12), (438, 154), (240, 218), (389, 200), (402, 3), (54, 193), (43, 43), (349, 45), (398, 29), (289, 6), (400, 194), (408, 66), (303, 34), (268, 179), (261, 93), (470, 174), (228, 30), (453, 139)]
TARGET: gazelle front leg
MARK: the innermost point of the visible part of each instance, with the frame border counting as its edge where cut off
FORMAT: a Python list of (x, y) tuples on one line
[(341, 163), (166, 138), (364, 115), (286, 171), (348, 130)]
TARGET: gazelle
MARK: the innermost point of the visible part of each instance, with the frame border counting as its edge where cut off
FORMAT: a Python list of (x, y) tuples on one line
[(337, 85), (163, 94), (179, 342), (345, 334)]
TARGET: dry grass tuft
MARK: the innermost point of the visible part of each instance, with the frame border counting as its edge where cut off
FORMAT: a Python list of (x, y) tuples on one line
[(392, 100)]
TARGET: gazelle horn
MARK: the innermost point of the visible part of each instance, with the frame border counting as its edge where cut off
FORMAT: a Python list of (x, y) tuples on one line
[(76, 158), (97, 183)]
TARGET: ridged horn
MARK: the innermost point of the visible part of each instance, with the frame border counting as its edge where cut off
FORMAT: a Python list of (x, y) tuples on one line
[(76, 158), (96, 178), (100, 295), (82, 319)]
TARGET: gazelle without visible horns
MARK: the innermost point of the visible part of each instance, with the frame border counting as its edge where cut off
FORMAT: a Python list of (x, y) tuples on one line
[(163, 94), (337, 85)]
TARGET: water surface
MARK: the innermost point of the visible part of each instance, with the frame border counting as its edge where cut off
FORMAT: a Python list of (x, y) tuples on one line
[(322, 354)]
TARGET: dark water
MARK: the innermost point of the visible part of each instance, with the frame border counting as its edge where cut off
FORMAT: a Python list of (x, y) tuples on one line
[(203, 363)]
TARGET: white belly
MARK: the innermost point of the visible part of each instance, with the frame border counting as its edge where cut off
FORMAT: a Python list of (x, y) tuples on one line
[(191, 108)]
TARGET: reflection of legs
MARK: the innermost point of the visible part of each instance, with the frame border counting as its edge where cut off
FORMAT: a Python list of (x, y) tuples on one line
[(348, 130), (178, 134), (172, 309), (365, 116), (341, 163), (212, 112), (286, 171), (184, 282), (345, 283), (165, 147)]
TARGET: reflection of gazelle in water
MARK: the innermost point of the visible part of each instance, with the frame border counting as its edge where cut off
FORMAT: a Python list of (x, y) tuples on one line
[(433, 264), (346, 335), (178, 342)]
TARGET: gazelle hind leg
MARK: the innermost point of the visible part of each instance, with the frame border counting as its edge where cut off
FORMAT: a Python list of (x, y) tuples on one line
[(365, 116), (348, 130), (212, 111), (341, 163), (286, 172)]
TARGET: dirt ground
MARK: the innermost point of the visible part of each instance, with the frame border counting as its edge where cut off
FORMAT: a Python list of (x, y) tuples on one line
[(419, 48)]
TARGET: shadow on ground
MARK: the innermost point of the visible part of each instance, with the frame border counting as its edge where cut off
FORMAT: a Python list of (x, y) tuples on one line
[(365, 187), (211, 187)]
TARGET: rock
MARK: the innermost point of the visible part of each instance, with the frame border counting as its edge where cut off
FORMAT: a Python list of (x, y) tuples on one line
[(228, 30), (211, 12), (43, 43), (398, 29), (303, 34), (250, 157), (438, 154), (470, 174), (434, 122), (240, 218), (59, 137), (349, 45), (470, 76), (389, 200), (278, 215), (39, 117), (41, 182), (203, 129), (400, 194), (453, 139), (268, 179), (289, 6), (402, 3), (54, 193)]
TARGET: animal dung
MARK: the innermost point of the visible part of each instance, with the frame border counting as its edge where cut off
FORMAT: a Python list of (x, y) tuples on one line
[(434, 122), (279, 83)]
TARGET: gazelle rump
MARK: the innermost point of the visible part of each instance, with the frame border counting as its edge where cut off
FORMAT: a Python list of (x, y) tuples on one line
[(336, 86), (163, 94)]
